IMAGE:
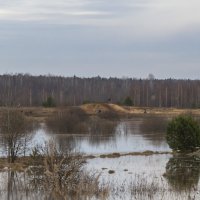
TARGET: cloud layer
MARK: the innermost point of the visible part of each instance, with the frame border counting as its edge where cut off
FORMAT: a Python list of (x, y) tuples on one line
[(101, 37)]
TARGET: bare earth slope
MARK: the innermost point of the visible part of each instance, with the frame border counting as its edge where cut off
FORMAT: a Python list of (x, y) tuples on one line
[(96, 107)]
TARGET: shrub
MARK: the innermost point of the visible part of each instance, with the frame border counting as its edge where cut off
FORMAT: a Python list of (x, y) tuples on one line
[(72, 120), (62, 171), (183, 133), (109, 115), (128, 102), (62, 175)]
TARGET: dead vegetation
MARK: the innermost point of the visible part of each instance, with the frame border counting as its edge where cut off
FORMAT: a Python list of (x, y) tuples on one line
[(64, 175), (141, 188), (109, 115), (36, 158), (113, 155), (71, 120), (94, 109), (56, 175), (40, 114), (144, 153), (62, 171)]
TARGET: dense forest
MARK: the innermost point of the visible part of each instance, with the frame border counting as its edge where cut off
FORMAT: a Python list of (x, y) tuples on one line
[(27, 90)]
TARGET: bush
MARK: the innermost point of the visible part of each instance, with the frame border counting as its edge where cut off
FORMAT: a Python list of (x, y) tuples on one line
[(183, 133), (128, 102), (72, 120), (109, 115), (61, 175)]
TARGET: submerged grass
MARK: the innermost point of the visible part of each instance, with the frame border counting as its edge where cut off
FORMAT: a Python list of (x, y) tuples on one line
[(53, 175), (144, 153), (54, 182), (22, 163), (140, 187)]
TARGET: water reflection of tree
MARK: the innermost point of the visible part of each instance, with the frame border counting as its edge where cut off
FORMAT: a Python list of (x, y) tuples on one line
[(153, 129), (182, 173), (66, 143), (16, 186), (101, 131), (11, 185)]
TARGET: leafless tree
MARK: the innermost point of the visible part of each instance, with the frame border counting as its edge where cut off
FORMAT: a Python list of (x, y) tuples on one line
[(27, 90), (14, 130)]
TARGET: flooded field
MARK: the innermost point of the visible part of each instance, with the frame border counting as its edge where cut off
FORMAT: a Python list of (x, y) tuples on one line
[(130, 135), (150, 177), (157, 176)]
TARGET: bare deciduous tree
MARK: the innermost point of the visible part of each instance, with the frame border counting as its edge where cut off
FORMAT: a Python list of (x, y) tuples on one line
[(74, 91), (14, 133)]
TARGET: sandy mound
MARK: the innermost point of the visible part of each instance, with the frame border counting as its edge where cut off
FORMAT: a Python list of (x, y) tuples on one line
[(98, 107)]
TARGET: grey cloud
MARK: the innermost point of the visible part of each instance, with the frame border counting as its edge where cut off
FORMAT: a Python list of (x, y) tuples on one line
[(119, 40)]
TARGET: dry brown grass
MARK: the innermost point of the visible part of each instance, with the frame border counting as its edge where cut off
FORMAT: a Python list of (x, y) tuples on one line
[(40, 114), (36, 113), (64, 176), (113, 155), (97, 108), (71, 120), (21, 164), (109, 115), (144, 153), (60, 177), (93, 108), (142, 189)]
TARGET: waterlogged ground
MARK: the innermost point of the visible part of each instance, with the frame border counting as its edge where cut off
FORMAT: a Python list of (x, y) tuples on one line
[(153, 177), (133, 135), (147, 177), (157, 176)]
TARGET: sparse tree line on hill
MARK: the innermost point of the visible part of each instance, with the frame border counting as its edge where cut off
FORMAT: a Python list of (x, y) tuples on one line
[(27, 90)]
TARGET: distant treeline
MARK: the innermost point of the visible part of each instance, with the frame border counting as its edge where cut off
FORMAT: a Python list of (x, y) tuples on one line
[(27, 90)]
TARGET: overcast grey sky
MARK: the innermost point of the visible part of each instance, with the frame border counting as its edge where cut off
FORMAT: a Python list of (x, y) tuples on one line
[(101, 37)]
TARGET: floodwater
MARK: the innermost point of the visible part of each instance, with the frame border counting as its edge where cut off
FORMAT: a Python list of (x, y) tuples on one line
[(150, 177), (132, 135), (153, 177), (159, 176)]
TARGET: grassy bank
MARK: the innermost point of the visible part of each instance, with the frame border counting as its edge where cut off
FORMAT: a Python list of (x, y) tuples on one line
[(41, 114)]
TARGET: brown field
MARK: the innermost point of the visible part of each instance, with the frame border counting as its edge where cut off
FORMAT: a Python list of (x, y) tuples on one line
[(40, 114)]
